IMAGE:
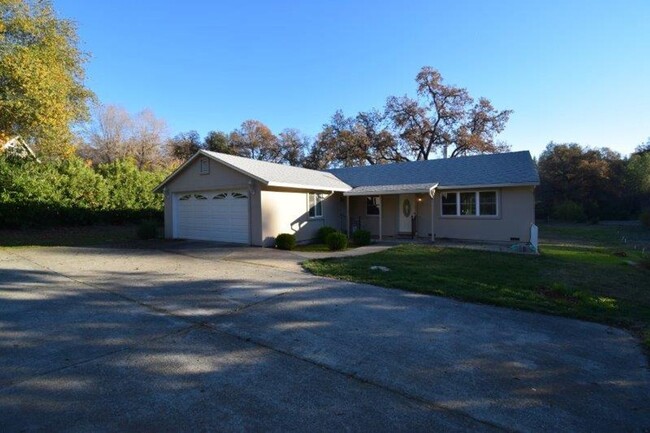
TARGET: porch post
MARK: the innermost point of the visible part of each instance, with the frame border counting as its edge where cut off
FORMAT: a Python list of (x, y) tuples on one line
[(381, 212), (433, 215), (347, 214)]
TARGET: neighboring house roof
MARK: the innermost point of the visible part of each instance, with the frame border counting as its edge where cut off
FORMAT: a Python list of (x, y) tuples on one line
[(17, 146), (271, 174), (480, 171), (494, 170)]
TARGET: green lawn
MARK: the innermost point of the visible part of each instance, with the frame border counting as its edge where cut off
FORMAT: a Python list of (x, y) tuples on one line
[(312, 248), (585, 272), (319, 248)]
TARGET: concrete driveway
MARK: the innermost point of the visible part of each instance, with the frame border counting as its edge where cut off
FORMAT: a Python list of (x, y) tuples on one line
[(206, 338)]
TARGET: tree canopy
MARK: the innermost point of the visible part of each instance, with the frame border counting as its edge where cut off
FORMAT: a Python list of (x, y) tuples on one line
[(353, 141), (593, 183), (445, 117), (42, 91), (114, 134)]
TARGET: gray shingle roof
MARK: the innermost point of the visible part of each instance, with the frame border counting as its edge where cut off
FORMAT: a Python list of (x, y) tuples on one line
[(502, 169), (281, 175), (490, 170)]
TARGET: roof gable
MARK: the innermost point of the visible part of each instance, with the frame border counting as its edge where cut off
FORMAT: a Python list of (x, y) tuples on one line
[(270, 174)]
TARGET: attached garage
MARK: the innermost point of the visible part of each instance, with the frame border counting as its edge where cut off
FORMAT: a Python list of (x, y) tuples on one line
[(227, 198), (213, 215)]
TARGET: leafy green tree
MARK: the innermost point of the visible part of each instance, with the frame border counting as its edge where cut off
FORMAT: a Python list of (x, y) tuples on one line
[(42, 91), (638, 176), (594, 179), (217, 141)]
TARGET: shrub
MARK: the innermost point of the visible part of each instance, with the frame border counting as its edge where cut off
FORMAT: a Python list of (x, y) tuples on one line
[(71, 192), (361, 237), (147, 229), (285, 241), (336, 241), (569, 211), (645, 218), (323, 232)]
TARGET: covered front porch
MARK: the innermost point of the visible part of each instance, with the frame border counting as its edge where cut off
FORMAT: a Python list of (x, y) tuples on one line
[(392, 211)]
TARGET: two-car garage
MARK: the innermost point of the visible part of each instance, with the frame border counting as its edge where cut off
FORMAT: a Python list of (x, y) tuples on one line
[(212, 215)]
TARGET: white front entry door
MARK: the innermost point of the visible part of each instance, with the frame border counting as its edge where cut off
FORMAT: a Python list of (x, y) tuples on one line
[(406, 211)]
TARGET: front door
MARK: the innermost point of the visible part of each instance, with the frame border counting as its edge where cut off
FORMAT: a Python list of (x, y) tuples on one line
[(406, 211)]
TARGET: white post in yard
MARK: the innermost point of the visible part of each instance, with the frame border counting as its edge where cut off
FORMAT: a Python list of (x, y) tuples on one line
[(380, 217), (534, 237)]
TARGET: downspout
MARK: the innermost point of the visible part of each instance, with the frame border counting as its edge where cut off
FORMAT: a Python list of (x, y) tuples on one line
[(347, 214), (381, 212), (432, 194)]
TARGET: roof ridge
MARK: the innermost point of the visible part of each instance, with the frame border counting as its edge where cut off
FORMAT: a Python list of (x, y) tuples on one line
[(423, 161)]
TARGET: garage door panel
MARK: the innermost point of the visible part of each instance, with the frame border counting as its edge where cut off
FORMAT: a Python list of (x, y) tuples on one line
[(214, 215)]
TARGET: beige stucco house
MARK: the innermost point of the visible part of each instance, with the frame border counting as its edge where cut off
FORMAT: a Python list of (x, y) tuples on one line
[(219, 197)]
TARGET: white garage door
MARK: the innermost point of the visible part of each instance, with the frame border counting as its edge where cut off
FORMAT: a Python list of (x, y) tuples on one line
[(212, 216)]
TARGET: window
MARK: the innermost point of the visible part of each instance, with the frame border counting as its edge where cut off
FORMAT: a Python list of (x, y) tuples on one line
[(372, 205), (220, 196), (238, 195), (449, 203), (186, 197), (316, 205), (205, 166), (488, 203), (470, 203), (200, 197)]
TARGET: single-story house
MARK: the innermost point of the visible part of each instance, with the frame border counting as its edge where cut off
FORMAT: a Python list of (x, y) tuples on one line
[(220, 197)]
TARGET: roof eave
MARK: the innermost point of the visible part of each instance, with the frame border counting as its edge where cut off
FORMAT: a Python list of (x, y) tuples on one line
[(427, 189), (314, 187), (387, 192), (486, 185)]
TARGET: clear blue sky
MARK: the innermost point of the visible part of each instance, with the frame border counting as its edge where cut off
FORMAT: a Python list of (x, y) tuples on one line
[(574, 71)]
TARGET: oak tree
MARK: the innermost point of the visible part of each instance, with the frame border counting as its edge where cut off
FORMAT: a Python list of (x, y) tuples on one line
[(256, 141), (445, 117), (354, 141)]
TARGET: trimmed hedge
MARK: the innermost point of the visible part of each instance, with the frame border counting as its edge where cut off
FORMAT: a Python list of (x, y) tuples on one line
[(323, 232), (71, 192), (337, 241), (361, 238), (285, 241)]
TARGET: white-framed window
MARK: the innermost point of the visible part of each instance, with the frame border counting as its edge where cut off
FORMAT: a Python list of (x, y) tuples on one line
[(315, 204), (205, 166), (449, 203), (469, 203), (372, 205), (487, 203)]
